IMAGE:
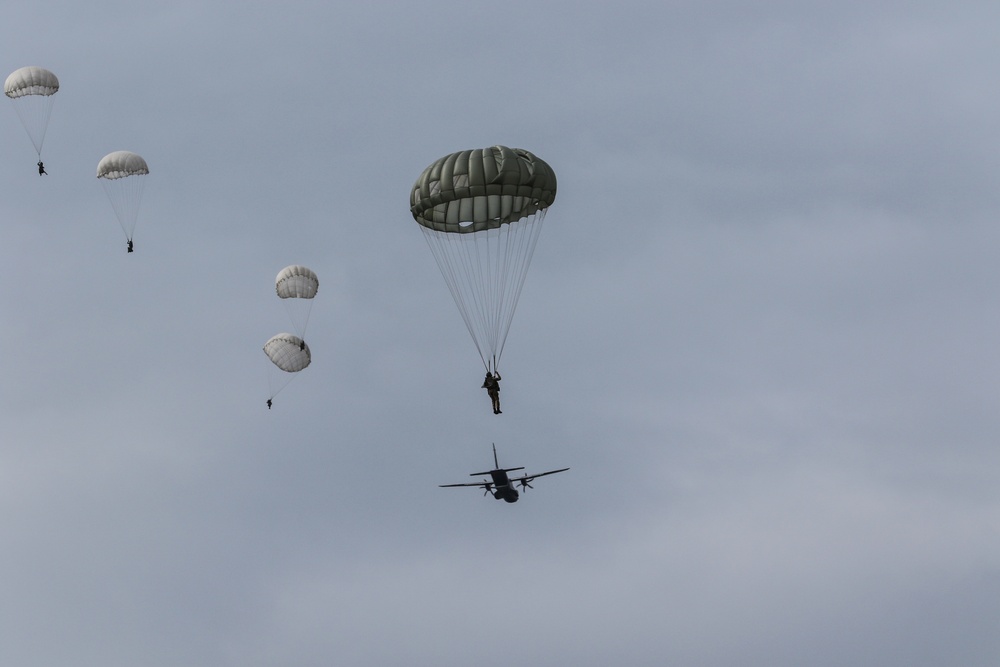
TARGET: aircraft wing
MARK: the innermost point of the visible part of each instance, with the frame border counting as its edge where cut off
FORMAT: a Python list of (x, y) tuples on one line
[(527, 478), (482, 485)]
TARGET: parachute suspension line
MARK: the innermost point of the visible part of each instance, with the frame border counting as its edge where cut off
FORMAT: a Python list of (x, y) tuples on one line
[(485, 273), (497, 275), (34, 112), (478, 282), (486, 277), (521, 256), (271, 382), (277, 380), (449, 260), (503, 262), (298, 315), (470, 284), (125, 195), (507, 266)]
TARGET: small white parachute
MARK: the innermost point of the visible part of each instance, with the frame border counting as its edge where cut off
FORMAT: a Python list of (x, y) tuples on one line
[(31, 91), (289, 354), (296, 286), (296, 282), (123, 175)]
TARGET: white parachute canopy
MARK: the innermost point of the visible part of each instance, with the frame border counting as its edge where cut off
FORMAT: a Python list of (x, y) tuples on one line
[(289, 354), (123, 175), (31, 91), (296, 286)]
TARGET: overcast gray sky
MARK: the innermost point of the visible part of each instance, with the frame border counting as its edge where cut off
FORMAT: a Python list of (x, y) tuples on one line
[(760, 327)]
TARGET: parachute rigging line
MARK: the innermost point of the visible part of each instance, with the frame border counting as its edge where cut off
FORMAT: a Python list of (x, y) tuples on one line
[(485, 273)]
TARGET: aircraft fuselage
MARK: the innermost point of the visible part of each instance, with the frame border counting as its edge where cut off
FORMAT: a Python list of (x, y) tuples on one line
[(502, 490), (506, 493)]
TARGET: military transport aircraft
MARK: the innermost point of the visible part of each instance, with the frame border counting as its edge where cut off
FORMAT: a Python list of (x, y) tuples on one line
[(502, 487)]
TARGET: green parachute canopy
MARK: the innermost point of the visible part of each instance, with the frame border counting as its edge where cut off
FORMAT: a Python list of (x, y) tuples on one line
[(471, 191), (481, 212)]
